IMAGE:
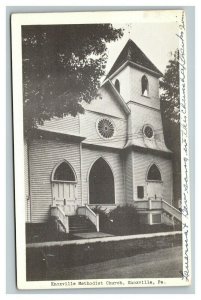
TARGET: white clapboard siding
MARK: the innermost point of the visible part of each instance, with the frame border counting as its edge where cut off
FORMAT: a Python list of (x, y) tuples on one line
[(142, 116), (44, 155), (136, 91), (106, 104), (130, 87), (89, 156), (142, 162), (124, 81), (68, 124), (88, 125)]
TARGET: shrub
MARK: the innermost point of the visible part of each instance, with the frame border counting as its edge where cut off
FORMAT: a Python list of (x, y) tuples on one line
[(125, 220), (105, 224), (54, 230)]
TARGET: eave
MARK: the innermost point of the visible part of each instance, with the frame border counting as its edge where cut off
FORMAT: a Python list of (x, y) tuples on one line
[(167, 153), (137, 66), (44, 133), (119, 98), (103, 147)]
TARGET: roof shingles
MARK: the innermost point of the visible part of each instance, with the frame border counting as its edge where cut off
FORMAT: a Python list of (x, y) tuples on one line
[(131, 52)]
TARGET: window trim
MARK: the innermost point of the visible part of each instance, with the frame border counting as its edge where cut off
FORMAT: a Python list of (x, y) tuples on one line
[(110, 120), (154, 180), (55, 168), (140, 186), (143, 129), (147, 87), (63, 181)]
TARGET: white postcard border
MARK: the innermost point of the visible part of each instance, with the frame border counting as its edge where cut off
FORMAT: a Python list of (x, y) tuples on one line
[(79, 18)]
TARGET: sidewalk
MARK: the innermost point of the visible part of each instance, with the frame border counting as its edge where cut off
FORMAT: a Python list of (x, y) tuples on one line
[(105, 238)]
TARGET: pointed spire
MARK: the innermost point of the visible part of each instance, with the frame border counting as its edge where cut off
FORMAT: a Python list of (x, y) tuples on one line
[(131, 52)]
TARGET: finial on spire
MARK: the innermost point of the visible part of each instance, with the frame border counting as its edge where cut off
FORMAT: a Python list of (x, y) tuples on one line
[(129, 25)]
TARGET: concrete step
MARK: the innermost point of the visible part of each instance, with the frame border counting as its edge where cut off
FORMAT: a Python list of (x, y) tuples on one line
[(80, 224), (81, 230)]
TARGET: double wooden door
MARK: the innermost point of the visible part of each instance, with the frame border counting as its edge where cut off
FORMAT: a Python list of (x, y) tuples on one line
[(64, 194)]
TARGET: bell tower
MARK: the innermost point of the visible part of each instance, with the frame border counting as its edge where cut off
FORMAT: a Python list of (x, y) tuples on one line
[(136, 79)]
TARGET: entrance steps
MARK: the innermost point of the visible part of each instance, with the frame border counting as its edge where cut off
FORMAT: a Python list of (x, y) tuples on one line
[(79, 224)]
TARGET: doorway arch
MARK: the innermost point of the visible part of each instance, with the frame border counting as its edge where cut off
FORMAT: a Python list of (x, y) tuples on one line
[(101, 183), (64, 182)]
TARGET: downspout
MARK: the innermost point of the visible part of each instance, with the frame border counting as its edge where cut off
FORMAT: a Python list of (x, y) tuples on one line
[(80, 164), (129, 131), (127, 145), (81, 173)]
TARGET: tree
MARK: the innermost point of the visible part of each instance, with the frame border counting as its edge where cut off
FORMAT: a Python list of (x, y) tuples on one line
[(170, 107), (170, 90), (62, 67)]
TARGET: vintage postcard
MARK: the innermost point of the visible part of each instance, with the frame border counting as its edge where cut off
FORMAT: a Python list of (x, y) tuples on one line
[(100, 110)]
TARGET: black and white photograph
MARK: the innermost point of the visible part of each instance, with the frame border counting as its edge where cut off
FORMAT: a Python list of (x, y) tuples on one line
[(100, 120)]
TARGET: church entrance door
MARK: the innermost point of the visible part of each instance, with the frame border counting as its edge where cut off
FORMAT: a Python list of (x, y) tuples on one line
[(154, 183), (64, 185), (64, 196)]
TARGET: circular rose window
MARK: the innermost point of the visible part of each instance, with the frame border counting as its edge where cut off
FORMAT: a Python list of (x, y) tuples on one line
[(105, 128), (148, 131)]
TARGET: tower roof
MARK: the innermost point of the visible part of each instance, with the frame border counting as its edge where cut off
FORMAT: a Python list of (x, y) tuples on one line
[(132, 53)]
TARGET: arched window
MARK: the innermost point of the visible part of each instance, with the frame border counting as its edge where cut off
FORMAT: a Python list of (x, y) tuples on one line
[(144, 83), (101, 183), (64, 173), (154, 173), (117, 85)]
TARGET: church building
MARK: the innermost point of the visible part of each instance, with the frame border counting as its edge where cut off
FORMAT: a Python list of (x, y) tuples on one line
[(112, 155)]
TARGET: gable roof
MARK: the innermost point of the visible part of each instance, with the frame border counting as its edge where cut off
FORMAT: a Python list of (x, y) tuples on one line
[(118, 97), (132, 53)]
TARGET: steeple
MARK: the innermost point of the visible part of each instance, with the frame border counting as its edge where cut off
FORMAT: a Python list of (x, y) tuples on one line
[(133, 54)]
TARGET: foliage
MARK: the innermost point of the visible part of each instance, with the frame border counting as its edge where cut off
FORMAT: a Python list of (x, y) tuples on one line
[(125, 220), (54, 230), (170, 90), (62, 66), (170, 107), (122, 220)]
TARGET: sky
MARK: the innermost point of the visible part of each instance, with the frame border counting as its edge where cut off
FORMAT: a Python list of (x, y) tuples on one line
[(156, 39)]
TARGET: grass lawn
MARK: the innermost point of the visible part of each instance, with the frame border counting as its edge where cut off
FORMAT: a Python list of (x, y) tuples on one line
[(162, 263)]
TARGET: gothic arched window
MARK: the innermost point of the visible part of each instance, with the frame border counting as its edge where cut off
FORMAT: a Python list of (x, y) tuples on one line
[(154, 173), (145, 85), (101, 183), (64, 173), (117, 85)]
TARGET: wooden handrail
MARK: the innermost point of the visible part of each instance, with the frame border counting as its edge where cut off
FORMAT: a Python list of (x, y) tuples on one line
[(172, 210), (92, 212), (57, 212), (88, 212)]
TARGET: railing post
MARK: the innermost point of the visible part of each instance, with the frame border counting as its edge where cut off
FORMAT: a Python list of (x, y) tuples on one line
[(149, 203), (66, 223), (97, 222)]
